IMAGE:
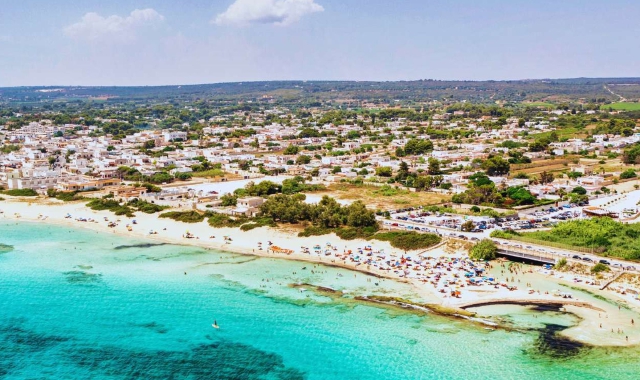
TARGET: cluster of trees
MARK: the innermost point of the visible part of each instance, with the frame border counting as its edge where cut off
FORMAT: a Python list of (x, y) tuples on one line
[(517, 157), (327, 213), (132, 174), (482, 191), (632, 155), (542, 144), (415, 147), (289, 186), (621, 127), (496, 166), (298, 184)]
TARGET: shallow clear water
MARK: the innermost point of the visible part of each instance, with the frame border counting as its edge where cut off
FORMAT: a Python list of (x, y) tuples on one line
[(75, 304)]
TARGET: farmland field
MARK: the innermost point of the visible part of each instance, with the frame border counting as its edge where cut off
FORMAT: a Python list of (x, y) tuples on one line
[(385, 197), (622, 106)]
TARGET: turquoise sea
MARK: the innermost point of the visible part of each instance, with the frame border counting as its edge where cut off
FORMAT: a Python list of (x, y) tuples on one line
[(75, 304)]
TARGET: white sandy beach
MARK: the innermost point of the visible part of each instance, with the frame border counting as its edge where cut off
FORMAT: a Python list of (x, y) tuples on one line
[(170, 231)]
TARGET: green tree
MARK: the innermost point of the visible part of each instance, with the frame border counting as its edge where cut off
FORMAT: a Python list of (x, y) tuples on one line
[(467, 226), (303, 159), (384, 171), (485, 249), (418, 146), (291, 150), (229, 199), (579, 190), (496, 165), (546, 177), (434, 166), (574, 175), (632, 155), (403, 171)]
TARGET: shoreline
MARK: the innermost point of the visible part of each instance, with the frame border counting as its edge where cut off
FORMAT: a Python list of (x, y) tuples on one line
[(242, 242)]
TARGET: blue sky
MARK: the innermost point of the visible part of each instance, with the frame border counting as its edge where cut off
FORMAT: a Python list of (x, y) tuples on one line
[(153, 42)]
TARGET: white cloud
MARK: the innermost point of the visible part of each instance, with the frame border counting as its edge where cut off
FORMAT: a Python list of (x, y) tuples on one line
[(93, 26), (276, 12)]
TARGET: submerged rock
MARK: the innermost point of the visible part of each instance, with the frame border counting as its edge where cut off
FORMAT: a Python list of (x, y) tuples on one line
[(4, 248)]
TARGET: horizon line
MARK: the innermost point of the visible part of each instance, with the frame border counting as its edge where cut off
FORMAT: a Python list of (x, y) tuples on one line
[(325, 80)]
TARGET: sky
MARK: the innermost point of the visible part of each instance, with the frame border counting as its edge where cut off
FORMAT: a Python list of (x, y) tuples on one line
[(163, 42)]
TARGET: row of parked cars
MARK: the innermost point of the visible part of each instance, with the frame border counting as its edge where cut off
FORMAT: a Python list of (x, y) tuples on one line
[(604, 261)]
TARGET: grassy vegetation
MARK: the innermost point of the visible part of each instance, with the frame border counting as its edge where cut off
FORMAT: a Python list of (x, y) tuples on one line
[(600, 267), (513, 235), (602, 235), (566, 132), (184, 216), (386, 197), (210, 173), (218, 220), (388, 191), (346, 233), (539, 104), (405, 240), (127, 209), (110, 205), (20, 192), (408, 240), (65, 196), (146, 207), (622, 106), (223, 220)]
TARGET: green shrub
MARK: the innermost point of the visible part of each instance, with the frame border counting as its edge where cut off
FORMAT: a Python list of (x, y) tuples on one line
[(184, 216), (146, 207), (111, 205), (66, 196), (314, 231), (599, 267), (485, 249), (21, 192), (561, 263), (218, 220), (408, 240)]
